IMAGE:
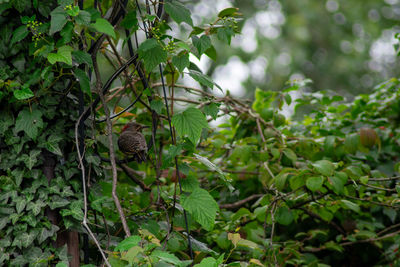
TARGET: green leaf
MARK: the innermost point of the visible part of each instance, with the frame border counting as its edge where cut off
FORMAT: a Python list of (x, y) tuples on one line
[(167, 257), (81, 57), (36, 207), (178, 12), (29, 122), (130, 22), (27, 239), (211, 109), (52, 144), (20, 205), (83, 18), (83, 81), (181, 61), (315, 183), (157, 105), (203, 79), (350, 205), (128, 243), (23, 93), (152, 54), (63, 55), (103, 26), (76, 210), (280, 180), (202, 43), (19, 34), (58, 20), (207, 262), (324, 167), (227, 12), (337, 184), (225, 35), (202, 206), (190, 122), (284, 216)]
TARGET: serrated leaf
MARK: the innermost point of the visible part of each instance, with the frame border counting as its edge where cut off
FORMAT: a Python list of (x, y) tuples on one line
[(202, 206), (181, 61), (324, 167), (29, 122), (211, 109), (58, 20), (81, 57), (83, 81), (103, 26), (202, 43), (19, 34), (203, 79), (63, 55), (178, 12), (23, 93), (152, 54), (190, 122), (83, 18), (315, 183), (128, 243)]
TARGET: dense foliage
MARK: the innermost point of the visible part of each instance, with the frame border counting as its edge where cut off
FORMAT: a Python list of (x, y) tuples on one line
[(257, 189)]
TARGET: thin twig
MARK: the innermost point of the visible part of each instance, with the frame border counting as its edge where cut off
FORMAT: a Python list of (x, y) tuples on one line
[(239, 203)]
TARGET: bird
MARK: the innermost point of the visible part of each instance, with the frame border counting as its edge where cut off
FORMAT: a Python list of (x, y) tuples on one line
[(132, 142)]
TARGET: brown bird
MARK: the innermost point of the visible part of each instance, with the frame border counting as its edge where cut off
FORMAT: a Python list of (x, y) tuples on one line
[(132, 141)]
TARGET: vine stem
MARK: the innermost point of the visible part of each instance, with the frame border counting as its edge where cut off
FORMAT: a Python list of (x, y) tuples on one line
[(85, 209)]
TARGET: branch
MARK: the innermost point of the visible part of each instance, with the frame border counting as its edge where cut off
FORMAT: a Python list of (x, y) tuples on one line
[(134, 175), (239, 203)]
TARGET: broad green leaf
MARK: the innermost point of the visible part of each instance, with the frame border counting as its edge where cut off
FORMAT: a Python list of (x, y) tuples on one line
[(190, 122), (207, 262), (83, 81), (63, 55), (284, 216), (152, 54), (83, 18), (227, 12), (81, 57), (23, 93), (29, 122), (324, 167), (280, 180), (20, 205), (19, 34), (128, 243), (178, 12), (202, 206), (203, 79), (350, 205), (46, 233), (225, 35), (58, 20), (103, 26), (315, 183), (166, 257), (211, 109), (290, 154), (130, 21), (181, 61), (58, 202), (76, 210), (36, 207), (157, 105), (202, 43), (337, 184)]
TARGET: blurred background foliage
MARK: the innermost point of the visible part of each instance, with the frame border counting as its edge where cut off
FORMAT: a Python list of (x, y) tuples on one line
[(345, 46)]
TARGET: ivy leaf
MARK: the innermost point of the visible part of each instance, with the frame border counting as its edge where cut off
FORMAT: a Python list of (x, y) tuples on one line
[(19, 34), (76, 210), (103, 26), (36, 207), (203, 79), (58, 20), (29, 122), (181, 61), (324, 167), (152, 54), (190, 122), (52, 144), (202, 43), (45, 233), (178, 12), (63, 55), (83, 81), (20, 205), (23, 93), (315, 183), (27, 239), (202, 206)]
